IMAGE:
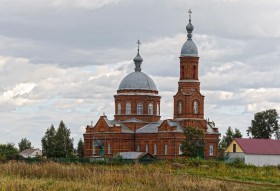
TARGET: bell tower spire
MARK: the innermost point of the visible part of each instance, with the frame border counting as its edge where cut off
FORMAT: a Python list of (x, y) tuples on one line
[(189, 102)]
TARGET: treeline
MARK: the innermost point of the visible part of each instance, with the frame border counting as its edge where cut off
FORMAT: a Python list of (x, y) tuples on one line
[(56, 143)]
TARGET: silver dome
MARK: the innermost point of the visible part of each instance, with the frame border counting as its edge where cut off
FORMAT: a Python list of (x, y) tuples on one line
[(189, 49), (137, 81)]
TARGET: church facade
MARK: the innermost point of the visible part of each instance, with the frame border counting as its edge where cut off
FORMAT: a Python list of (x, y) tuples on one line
[(137, 124)]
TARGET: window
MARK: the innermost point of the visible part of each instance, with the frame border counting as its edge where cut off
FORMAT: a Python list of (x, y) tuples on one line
[(194, 72), (138, 148), (195, 107), (179, 107), (109, 148), (127, 108), (155, 149), (234, 148), (93, 148), (157, 109), (119, 108), (147, 148), (211, 150), (150, 109), (139, 108), (180, 149), (165, 149), (182, 70)]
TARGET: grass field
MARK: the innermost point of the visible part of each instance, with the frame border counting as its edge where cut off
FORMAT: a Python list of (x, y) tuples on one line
[(157, 176)]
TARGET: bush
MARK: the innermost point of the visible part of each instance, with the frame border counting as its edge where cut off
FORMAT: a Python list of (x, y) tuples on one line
[(237, 162)]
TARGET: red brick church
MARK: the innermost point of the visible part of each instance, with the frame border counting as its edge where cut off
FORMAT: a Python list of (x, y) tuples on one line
[(137, 124)]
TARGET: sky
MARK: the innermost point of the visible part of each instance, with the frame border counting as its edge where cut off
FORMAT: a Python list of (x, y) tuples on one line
[(64, 59)]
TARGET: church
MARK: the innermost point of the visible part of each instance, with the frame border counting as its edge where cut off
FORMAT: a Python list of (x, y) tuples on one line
[(137, 125)]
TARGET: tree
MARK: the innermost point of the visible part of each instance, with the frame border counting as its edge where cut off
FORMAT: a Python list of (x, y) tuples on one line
[(230, 135), (48, 142), (264, 124), (24, 144), (277, 135), (80, 148), (8, 151), (193, 145), (227, 139), (237, 133), (64, 144)]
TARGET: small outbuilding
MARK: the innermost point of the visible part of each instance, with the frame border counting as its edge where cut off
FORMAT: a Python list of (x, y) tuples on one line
[(258, 152), (136, 156), (31, 153)]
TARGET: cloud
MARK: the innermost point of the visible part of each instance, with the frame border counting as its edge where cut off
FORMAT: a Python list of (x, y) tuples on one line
[(16, 95), (84, 4), (64, 60)]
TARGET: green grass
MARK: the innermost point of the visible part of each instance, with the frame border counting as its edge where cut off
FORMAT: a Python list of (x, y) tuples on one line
[(157, 176)]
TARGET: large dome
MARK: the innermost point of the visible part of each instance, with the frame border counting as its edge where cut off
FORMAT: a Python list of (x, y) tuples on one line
[(137, 81), (189, 49)]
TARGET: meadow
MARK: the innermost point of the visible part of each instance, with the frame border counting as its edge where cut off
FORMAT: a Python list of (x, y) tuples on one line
[(190, 175)]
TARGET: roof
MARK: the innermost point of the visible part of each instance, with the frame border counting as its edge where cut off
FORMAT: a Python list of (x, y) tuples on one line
[(189, 49), (149, 128), (134, 155), (112, 123), (259, 146), (133, 120), (137, 81), (28, 152), (153, 127)]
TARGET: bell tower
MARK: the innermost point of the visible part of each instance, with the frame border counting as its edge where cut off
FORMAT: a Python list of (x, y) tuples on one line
[(188, 101)]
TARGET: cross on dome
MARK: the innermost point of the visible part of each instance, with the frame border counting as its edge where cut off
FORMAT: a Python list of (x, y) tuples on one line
[(138, 59), (190, 14), (138, 42)]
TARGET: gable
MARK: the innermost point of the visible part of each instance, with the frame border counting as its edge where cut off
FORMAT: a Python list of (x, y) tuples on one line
[(229, 148), (165, 126), (101, 125)]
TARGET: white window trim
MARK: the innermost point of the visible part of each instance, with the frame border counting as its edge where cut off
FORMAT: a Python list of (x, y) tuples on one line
[(139, 108), (128, 108), (150, 109)]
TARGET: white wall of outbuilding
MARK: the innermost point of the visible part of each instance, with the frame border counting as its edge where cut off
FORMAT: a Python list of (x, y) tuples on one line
[(262, 160)]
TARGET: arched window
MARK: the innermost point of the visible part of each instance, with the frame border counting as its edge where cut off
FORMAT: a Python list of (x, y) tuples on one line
[(158, 109), (93, 148), (211, 150), (138, 148), (165, 149), (127, 108), (150, 109), (155, 149), (195, 107), (139, 108), (194, 72), (182, 70), (119, 108), (180, 107), (109, 149), (180, 149), (147, 148)]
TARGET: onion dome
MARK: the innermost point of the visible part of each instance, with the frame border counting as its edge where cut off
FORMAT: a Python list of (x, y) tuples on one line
[(189, 48), (137, 80)]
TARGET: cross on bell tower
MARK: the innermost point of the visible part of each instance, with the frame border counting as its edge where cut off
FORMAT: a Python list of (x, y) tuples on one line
[(188, 101), (190, 14)]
